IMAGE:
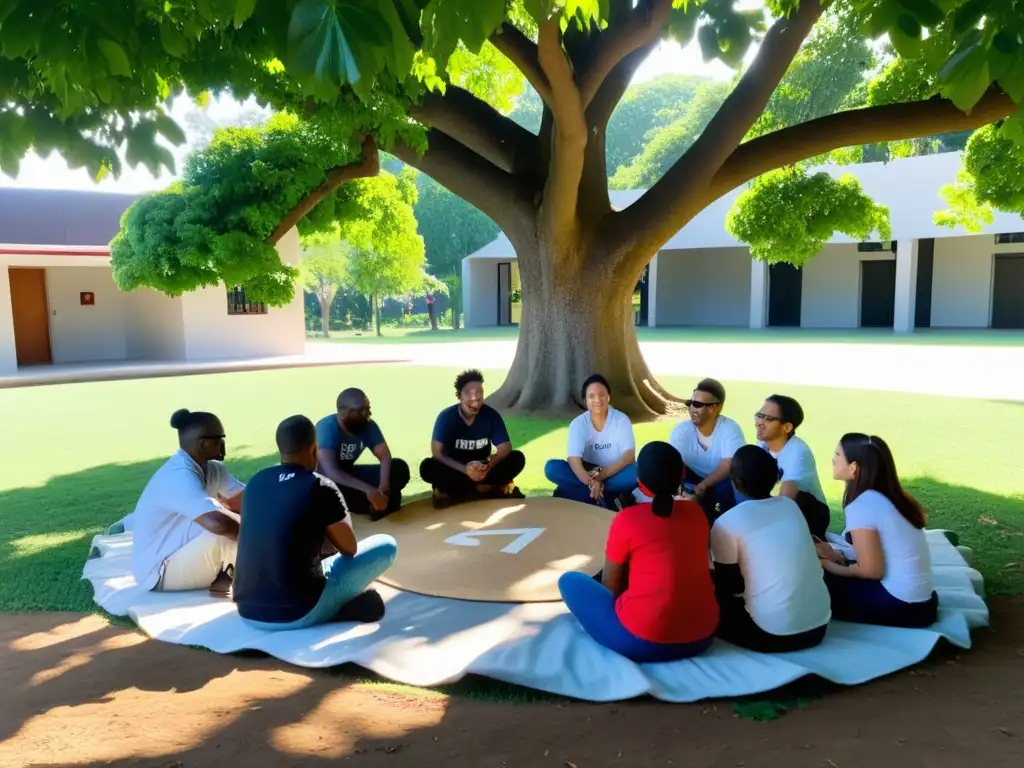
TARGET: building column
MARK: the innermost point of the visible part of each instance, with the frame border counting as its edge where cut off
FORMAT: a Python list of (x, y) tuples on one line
[(906, 285), (758, 293), (8, 353), (652, 293), (467, 291)]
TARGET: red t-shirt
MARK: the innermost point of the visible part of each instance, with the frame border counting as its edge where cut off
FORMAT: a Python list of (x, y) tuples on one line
[(670, 597)]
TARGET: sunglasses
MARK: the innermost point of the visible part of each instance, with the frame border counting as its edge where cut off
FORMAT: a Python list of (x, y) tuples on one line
[(698, 404)]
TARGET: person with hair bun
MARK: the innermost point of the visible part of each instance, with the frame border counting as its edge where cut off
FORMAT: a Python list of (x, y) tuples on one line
[(889, 580), (655, 601), (601, 463), (185, 524)]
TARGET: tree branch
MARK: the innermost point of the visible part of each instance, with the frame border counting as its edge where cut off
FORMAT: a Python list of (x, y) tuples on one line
[(479, 126), (505, 198), (368, 166), (642, 27), (658, 214), (522, 52), (561, 191), (893, 122)]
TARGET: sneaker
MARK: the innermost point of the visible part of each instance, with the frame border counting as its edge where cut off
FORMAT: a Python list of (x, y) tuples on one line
[(622, 501), (221, 586), (365, 608), (515, 493)]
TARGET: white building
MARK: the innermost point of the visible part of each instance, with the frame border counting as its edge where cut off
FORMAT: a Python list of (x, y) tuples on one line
[(929, 276), (59, 303)]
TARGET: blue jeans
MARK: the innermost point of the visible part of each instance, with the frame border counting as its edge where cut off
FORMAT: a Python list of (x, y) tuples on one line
[(723, 495), (568, 486), (593, 605), (863, 601), (347, 577)]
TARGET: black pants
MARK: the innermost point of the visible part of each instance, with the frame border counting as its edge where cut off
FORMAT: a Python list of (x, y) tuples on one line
[(735, 626), (370, 474), (815, 512), (450, 481)]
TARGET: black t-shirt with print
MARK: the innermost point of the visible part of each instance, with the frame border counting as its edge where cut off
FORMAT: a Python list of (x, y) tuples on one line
[(470, 442)]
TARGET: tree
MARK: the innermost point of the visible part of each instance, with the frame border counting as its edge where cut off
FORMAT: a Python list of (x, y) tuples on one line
[(451, 228), (324, 271), (352, 68)]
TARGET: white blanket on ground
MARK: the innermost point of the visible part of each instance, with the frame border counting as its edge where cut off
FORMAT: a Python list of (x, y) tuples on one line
[(427, 641)]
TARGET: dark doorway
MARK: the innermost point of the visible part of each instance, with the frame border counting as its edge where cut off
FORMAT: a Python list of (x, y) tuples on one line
[(1008, 292), (877, 293), (505, 293), (642, 287), (785, 294), (923, 295)]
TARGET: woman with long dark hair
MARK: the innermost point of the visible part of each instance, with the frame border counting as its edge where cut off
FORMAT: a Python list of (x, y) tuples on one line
[(655, 601), (889, 582)]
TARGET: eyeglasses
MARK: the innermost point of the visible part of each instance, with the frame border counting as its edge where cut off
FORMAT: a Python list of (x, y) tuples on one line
[(765, 417), (698, 404)]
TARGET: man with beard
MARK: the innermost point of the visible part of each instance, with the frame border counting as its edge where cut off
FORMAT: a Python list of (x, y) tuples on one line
[(185, 525), (462, 466), (707, 442), (369, 489), (777, 423)]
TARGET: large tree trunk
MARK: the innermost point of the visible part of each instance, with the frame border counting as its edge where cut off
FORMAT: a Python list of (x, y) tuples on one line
[(576, 323), (375, 305), (325, 315), (431, 315)]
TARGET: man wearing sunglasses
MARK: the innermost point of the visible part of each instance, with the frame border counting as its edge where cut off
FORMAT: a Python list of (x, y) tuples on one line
[(707, 442), (185, 525), (777, 423)]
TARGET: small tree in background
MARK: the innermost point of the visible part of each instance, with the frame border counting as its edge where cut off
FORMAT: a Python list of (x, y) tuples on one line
[(324, 271), (454, 283)]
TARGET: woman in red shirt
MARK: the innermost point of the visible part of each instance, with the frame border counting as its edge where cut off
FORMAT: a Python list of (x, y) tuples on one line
[(656, 601)]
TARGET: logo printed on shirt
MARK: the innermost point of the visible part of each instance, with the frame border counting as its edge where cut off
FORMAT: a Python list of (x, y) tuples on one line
[(462, 444), (282, 477), (602, 446), (348, 451)]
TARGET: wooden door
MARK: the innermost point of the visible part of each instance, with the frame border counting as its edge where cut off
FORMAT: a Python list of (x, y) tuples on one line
[(31, 316)]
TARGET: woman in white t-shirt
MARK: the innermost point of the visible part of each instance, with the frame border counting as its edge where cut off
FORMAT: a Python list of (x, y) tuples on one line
[(890, 581), (601, 460)]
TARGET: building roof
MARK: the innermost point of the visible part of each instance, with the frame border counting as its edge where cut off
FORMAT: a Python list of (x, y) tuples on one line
[(909, 187), (60, 217)]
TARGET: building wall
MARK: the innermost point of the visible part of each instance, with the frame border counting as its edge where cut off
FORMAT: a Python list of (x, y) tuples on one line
[(480, 292), (962, 280), (210, 333), (831, 287), (8, 355), (723, 295), (155, 328), (85, 333)]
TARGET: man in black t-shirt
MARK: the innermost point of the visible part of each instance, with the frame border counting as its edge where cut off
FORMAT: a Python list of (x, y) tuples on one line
[(462, 466), (292, 517)]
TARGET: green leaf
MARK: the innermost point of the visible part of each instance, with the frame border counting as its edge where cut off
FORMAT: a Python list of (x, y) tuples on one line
[(1012, 80), (968, 80), (20, 33), (682, 24), (707, 37), (925, 11), (173, 41), (906, 36), (243, 10), (169, 129), (969, 14), (116, 58), (317, 44), (365, 25)]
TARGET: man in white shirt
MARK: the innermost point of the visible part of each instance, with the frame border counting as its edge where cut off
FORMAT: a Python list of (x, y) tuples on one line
[(707, 443), (185, 525), (768, 580), (777, 422)]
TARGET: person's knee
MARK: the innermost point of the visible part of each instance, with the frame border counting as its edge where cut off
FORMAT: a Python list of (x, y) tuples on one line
[(427, 467), (380, 546), (400, 474), (554, 471)]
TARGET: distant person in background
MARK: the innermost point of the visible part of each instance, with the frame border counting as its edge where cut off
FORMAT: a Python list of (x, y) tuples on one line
[(889, 581), (471, 452), (185, 525), (294, 519), (601, 463), (777, 423), (369, 489), (770, 588), (707, 442), (655, 601)]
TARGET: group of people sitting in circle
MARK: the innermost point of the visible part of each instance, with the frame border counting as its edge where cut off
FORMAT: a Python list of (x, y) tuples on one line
[(699, 546)]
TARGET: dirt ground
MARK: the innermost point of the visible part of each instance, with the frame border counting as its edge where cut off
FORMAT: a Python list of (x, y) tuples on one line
[(76, 691)]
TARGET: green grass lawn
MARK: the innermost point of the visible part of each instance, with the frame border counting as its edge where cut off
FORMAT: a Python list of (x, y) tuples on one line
[(923, 337), (75, 457)]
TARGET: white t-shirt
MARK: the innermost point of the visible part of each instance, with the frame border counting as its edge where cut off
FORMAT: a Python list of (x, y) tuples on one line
[(164, 518), (908, 563), (796, 465), (602, 448), (784, 587), (721, 444)]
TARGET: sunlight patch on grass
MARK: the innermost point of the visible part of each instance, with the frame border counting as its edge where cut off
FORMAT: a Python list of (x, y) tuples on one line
[(33, 545)]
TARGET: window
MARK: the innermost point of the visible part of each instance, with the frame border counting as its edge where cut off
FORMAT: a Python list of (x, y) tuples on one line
[(239, 305), (875, 247), (1010, 237)]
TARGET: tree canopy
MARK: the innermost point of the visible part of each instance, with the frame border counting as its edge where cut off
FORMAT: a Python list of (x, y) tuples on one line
[(358, 76)]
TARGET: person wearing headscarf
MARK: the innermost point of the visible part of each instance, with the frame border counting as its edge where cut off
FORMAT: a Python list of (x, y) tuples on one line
[(655, 601)]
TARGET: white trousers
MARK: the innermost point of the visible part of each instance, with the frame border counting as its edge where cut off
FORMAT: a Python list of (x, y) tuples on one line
[(197, 564)]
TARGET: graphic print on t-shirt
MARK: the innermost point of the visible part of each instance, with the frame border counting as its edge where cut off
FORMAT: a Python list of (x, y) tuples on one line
[(461, 444), (470, 442), (348, 446), (604, 448)]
